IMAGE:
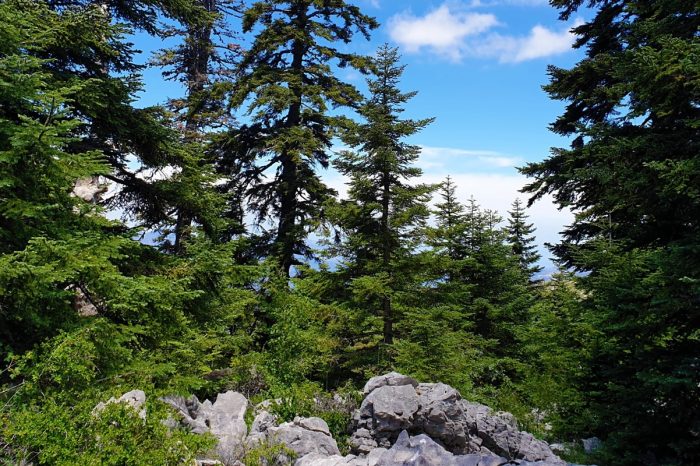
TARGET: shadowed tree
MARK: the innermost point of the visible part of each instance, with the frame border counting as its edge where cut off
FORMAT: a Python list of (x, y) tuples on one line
[(203, 63), (632, 175), (290, 88)]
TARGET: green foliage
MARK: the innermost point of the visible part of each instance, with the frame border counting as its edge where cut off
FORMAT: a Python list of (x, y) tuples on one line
[(289, 87), (431, 348), (521, 239), (633, 115), (383, 218), (269, 453), (72, 433), (88, 312)]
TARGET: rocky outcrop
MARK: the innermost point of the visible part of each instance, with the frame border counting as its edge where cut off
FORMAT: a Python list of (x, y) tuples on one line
[(395, 403), (422, 450), (392, 379), (400, 422), (224, 419)]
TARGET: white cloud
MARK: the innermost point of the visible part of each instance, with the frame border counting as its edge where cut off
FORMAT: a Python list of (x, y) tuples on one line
[(442, 30), (540, 42), (455, 33), (433, 158), (491, 3)]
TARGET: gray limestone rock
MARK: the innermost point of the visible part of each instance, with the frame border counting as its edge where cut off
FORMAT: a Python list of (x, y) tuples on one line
[(135, 399), (225, 419), (442, 417), (392, 408), (313, 423), (302, 440), (317, 459), (420, 450), (498, 434), (362, 442), (262, 422), (393, 403), (393, 379)]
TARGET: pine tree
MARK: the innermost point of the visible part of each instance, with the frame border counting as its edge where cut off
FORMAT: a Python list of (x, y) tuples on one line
[(449, 216), (385, 215), (289, 86), (631, 177), (203, 63), (521, 239), (449, 255), (96, 54)]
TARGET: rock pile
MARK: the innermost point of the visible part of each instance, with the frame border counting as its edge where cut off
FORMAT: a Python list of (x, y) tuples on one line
[(395, 403), (400, 422)]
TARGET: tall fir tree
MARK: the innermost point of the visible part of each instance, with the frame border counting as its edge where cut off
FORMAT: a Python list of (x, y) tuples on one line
[(383, 219), (521, 239), (631, 175), (289, 87), (203, 63)]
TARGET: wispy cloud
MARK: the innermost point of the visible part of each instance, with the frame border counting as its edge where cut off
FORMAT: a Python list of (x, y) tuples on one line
[(456, 32), (436, 158), (540, 42), (491, 3)]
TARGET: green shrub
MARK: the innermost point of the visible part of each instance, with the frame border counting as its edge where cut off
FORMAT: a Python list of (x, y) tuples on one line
[(269, 453), (69, 434)]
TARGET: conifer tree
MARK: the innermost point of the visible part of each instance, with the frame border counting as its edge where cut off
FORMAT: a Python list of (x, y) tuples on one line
[(67, 273), (449, 215), (449, 253), (521, 239), (383, 219), (289, 86), (203, 63), (631, 176), (95, 52)]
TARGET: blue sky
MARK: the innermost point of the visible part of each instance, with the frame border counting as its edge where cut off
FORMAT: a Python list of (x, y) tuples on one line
[(479, 67)]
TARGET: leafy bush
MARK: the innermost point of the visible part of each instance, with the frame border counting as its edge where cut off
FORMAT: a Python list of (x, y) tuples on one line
[(269, 453), (74, 433)]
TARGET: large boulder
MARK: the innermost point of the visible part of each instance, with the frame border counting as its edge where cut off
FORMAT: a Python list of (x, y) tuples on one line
[(224, 419), (305, 436), (384, 413)]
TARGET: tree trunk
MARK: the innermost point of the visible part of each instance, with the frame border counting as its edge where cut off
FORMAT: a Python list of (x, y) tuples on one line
[(287, 234), (386, 261)]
